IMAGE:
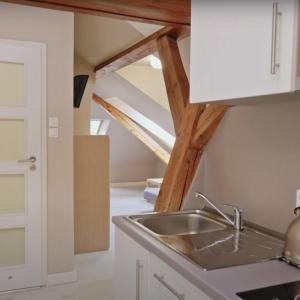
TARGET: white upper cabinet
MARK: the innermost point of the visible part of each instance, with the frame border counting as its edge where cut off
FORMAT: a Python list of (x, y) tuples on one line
[(243, 48)]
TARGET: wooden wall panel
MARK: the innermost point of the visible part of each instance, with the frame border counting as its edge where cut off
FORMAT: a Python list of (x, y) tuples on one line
[(91, 193)]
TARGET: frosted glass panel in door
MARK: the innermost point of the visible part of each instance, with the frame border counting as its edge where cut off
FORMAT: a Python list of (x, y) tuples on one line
[(11, 84), (12, 187), (12, 139), (12, 247)]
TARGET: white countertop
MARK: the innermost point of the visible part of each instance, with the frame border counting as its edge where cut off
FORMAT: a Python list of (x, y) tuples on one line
[(220, 284)]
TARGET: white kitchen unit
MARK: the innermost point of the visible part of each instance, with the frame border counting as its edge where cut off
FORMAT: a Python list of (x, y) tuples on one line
[(131, 269), (243, 49), (140, 275)]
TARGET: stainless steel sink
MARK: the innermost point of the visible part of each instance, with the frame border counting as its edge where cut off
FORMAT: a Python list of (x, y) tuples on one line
[(178, 224), (207, 240)]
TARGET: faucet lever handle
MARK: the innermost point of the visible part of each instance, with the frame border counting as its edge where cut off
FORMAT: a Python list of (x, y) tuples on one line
[(238, 220), (235, 208)]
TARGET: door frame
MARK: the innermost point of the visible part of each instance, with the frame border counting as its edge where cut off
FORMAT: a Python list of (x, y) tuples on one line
[(43, 49)]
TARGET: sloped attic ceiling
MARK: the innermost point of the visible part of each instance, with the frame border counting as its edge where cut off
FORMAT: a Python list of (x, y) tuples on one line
[(147, 79), (98, 38)]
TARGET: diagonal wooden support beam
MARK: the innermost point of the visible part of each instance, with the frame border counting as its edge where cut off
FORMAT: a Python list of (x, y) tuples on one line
[(140, 50), (134, 128), (176, 81), (194, 125), (198, 126), (207, 124), (162, 135), (182, 159)]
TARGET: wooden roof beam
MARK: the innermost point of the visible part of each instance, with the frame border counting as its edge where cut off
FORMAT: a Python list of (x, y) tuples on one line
[(207, 124), (167, 12), (181, 163), (162, 135), (140, 50), (134, 128), (198, 127), (176, 81), (194, 125)]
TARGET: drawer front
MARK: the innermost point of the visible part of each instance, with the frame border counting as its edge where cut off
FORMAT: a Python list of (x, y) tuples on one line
[(166, 283)]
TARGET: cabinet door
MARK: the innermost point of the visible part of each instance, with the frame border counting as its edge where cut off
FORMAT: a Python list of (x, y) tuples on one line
[(131, 269), (242, 48), (167, 284)]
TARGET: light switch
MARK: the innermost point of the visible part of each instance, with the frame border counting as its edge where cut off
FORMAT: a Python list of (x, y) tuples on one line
[(53, 132), (298, 199), (53, 122)]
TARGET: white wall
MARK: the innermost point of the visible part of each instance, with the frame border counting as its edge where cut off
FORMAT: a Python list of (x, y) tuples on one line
[(56, 30), (253, 161), (130, 159)]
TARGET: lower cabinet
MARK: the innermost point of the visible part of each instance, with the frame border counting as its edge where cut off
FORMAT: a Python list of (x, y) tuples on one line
[(131, 269), (140, 275)]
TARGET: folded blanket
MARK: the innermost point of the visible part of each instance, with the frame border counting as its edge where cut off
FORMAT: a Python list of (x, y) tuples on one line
[(151, 194)]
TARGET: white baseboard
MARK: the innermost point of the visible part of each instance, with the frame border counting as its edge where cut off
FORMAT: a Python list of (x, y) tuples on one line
[(61, 278), (129, 184)]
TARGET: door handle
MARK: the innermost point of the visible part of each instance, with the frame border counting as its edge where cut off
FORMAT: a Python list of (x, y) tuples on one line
[(30, 160)]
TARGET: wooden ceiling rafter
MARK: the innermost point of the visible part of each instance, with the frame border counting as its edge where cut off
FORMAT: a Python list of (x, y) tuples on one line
[(134, 128), (140, 50), (167, 12)]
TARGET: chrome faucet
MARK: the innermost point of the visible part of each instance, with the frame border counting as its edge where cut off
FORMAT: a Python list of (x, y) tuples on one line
[(237, 221)]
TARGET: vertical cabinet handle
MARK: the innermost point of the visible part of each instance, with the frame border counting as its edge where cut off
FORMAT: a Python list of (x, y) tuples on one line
[(276, 14), (139, 268), (161, 280)]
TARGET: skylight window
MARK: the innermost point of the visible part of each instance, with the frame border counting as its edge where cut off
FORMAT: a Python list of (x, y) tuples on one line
[(99, 127)]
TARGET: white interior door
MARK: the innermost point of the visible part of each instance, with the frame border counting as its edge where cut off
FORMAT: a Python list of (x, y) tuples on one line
[(21, 83)]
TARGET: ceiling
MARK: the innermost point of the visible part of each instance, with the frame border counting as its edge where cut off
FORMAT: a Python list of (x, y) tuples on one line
[(145, 29), (99, 38), (148, 80)]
